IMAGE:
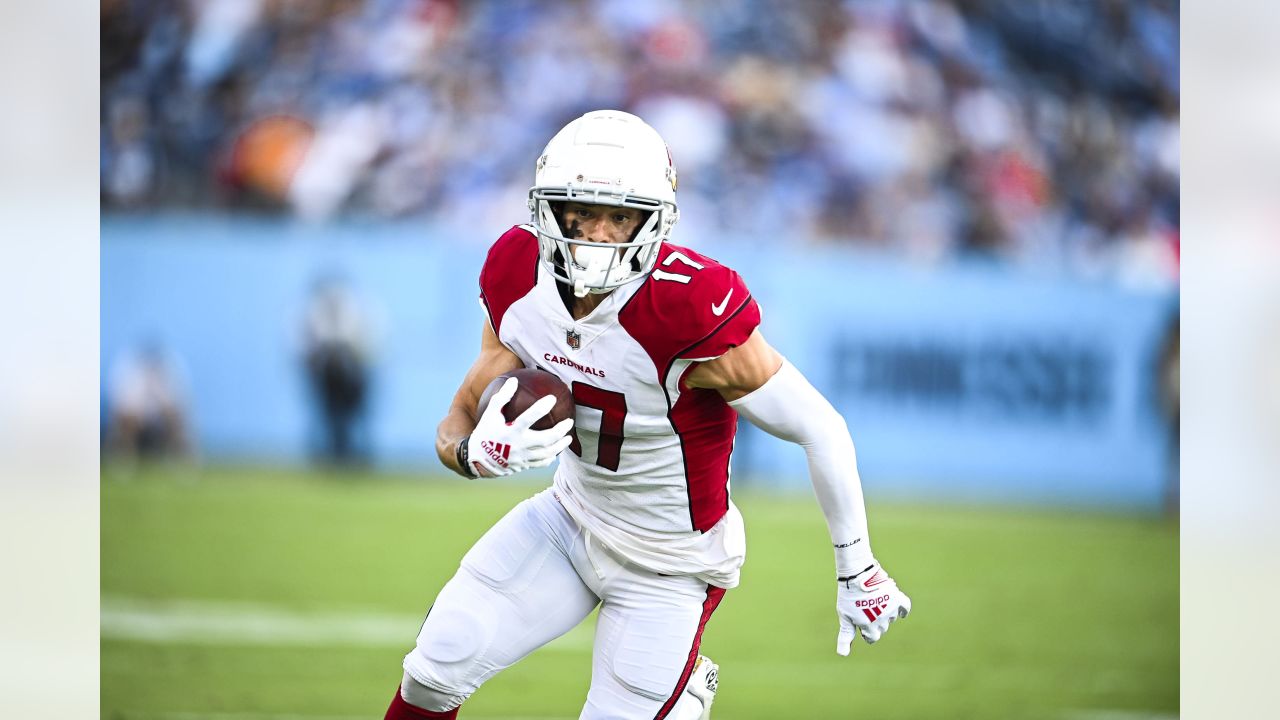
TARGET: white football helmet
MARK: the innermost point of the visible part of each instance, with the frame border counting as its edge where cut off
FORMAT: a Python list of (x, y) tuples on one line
[(605, 157)]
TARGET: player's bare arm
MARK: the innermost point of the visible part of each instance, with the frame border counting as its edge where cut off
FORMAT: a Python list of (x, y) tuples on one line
[(494, 360), (740, 371)]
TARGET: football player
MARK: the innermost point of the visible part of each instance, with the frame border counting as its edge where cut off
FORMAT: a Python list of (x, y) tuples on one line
[(662, 349)]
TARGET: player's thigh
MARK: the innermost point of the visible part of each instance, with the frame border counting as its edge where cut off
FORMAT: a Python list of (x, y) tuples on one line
[(645, 645), (515, 591)]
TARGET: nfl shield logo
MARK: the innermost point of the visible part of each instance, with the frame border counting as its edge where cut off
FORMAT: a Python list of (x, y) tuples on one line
[(573, 338)]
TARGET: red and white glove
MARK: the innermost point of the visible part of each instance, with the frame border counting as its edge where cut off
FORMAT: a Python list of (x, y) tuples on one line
[(868, 602), (497, 447)]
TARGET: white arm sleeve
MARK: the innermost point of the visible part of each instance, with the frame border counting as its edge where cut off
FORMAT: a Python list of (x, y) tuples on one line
[(788, 407)]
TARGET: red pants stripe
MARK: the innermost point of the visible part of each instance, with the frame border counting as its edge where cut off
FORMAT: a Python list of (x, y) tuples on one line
[(714, 595)]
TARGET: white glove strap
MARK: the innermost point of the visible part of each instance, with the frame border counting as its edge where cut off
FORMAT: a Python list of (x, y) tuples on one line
[(848, 580), (788, 407)]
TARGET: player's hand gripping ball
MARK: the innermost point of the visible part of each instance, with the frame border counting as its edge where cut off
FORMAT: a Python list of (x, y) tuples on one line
[(533, 385), (525, 419)]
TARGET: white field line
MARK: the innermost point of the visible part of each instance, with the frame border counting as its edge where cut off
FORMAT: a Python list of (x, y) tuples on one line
[(228, 623)]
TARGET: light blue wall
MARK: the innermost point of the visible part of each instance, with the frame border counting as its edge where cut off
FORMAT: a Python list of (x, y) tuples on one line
[(964, 383)]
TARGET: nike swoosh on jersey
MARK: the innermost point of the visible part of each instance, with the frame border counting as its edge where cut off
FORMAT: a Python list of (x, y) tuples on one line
[(718, 309)]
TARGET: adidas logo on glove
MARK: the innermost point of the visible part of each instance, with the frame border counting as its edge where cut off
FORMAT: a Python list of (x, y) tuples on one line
[(874, 612), (499, 452)]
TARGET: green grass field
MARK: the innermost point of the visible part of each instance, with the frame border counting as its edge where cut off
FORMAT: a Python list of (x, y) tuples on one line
[(240, 594)]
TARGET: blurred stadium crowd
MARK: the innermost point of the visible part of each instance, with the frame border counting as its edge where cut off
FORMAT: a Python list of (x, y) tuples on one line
[(1031, 132)]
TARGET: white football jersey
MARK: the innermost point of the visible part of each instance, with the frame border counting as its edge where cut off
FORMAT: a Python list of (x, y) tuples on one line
[(648, 472)]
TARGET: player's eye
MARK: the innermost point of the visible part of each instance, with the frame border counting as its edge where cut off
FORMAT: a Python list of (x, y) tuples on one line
[(621, 218)]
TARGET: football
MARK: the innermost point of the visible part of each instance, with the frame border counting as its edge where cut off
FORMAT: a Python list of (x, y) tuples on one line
[(534, 384)]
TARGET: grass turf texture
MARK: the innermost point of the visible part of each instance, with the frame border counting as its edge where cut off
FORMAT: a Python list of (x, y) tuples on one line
[(1018, 612)]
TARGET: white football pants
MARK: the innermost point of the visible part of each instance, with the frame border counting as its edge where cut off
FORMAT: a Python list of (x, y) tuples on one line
[(533, 577)]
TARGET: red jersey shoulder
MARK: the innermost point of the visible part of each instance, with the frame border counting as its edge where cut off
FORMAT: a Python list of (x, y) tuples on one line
[(687, 276), (510, 271), (690, 307)]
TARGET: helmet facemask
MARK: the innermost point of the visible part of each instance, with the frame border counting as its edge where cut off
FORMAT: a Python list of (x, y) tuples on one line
[(598, 267), (605, 157)]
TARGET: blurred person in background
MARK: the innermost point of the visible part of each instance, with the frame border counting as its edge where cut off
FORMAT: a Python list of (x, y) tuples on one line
[(336, 345), (1169, 397), (147, 407)]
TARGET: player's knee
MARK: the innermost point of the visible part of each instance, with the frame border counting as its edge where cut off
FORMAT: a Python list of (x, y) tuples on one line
[(449, 653), (455, 635), (430, 699)]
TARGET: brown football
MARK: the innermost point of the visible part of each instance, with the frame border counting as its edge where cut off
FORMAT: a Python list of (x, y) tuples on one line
[(534, 385)]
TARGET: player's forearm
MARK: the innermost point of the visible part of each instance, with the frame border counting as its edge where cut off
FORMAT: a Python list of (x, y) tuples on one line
[(450, 434), (834, 473), (461, 419), (790, 408)]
